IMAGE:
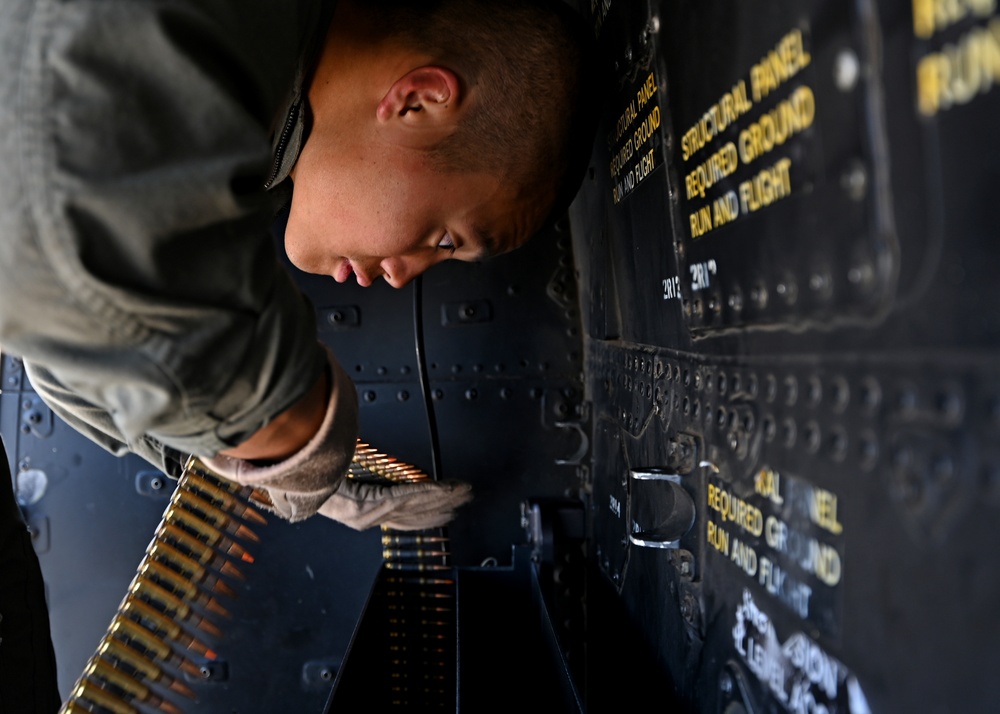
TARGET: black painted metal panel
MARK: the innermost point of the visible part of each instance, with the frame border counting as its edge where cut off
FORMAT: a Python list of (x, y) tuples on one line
[(785, 259)]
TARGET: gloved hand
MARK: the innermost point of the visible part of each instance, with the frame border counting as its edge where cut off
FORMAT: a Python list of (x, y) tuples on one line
[(313, 479), (300, 484), (402, 506)]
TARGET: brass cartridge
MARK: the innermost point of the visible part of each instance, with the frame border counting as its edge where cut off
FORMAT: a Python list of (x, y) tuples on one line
[(203, 549), (116, 650)]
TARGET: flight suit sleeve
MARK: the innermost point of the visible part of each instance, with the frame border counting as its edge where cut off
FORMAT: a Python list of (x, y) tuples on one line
[(136, 266)]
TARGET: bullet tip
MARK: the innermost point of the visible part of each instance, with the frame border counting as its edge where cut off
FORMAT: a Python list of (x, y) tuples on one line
[(182, 689), (243, 532)]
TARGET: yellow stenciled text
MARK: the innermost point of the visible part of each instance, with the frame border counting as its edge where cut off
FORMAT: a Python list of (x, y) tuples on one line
[(823, 511), (735, 509), (930, 16), (788, 118), (959, 72), (767, 187), (717, 538), (779, 65)]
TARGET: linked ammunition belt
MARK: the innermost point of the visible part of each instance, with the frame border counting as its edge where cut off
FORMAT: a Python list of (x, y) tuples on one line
[(158, 635), (416, 593)]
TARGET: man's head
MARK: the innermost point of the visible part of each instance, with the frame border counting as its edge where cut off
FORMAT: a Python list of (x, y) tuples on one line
[(439, 130)]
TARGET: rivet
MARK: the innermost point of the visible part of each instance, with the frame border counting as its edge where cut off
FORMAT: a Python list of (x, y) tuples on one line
[(821, 284), (855, 182), (812, 436), (791, 391), (846, 70), (770, 428), (861, 275), (787, 290), (770, 388), (868, 452), (814, 393), (735, 300), (759, 295), (788, 433), (871, 394), (840, 394)]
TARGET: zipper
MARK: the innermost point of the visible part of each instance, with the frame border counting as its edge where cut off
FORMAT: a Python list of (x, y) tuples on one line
[(279, 152)]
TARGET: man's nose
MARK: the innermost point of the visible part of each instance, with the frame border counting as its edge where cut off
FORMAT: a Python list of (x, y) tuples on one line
[(366, 275), (400, 271)]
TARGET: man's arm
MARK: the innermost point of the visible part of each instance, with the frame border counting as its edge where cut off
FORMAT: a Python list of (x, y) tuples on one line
[(137, 266), (288, 432), (137, 273)]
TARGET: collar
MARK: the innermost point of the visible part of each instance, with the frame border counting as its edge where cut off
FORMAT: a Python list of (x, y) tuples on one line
[(289, 135)]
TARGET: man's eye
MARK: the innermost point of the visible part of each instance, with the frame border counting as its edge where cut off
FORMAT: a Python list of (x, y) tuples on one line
[(447, 243)]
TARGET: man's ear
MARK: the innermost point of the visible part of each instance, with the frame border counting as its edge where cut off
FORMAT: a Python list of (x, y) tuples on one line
[(422, 107)]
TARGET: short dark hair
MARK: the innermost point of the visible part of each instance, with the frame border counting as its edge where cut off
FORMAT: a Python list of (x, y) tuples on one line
[(530, 62)]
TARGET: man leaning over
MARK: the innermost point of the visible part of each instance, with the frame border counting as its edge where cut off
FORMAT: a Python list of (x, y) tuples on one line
[(145, 147), (138, 279)]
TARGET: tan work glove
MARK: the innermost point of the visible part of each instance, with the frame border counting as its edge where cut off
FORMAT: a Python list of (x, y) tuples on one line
[(313, 480), (402, 506)]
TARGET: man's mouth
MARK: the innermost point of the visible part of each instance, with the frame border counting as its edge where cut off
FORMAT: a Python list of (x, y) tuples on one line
[(344, 271)]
